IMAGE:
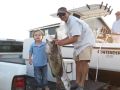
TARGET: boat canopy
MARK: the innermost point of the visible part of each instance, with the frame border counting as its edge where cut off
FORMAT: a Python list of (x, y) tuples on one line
[(90, 11)]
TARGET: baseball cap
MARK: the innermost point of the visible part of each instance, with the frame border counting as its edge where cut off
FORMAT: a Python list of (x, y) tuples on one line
[(61, 10)]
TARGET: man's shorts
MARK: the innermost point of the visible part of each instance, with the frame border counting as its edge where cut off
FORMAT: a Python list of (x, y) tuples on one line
[(84, 55)]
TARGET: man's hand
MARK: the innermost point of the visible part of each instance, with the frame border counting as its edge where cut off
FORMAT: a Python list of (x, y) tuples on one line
[(67, 40), (59, 42)]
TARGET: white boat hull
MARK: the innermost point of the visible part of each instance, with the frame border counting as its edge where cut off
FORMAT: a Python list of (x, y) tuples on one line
[(105, 56)]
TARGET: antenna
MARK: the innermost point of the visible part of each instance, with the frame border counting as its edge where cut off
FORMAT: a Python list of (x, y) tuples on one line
[(109, 8), (111, 11), (88, 6), (106, 6), (101, 5)]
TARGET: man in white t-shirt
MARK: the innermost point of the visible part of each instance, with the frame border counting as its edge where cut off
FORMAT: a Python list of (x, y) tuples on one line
[(116, 24), (81, 36)]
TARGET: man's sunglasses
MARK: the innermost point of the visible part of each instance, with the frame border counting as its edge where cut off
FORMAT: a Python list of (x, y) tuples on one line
[(60, 14)]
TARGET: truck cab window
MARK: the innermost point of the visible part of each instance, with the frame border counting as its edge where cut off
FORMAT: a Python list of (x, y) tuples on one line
[(11, 51)]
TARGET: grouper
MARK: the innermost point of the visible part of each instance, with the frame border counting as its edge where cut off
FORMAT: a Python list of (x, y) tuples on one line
[(57, 65)]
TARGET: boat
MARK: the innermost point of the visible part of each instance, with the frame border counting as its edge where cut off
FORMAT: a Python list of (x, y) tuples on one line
[(105, 61)]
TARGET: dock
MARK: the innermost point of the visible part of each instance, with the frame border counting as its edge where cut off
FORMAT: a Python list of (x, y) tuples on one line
[(94, 85), (89, 85)]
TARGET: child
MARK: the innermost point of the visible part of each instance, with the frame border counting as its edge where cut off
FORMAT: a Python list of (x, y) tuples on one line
[(38, 57)]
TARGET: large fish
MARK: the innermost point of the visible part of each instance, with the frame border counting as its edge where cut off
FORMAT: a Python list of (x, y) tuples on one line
[(57, 65)]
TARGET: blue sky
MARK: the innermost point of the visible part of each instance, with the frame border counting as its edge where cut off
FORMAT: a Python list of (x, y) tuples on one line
[(17, 17)]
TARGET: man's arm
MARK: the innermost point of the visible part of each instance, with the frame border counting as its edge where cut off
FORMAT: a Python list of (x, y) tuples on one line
[(67, 40)]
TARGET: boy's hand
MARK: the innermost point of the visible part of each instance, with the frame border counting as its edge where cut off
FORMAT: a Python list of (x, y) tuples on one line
[(30, 61)]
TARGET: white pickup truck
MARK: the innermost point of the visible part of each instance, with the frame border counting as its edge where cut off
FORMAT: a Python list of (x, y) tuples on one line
[(12, 66), (15, 72)]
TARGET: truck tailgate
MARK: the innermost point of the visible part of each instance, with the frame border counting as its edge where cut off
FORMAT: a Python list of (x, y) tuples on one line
[(8, 71)]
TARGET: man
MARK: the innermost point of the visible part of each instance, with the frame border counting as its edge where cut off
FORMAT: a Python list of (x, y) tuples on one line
[(116, 24), (81, 36)]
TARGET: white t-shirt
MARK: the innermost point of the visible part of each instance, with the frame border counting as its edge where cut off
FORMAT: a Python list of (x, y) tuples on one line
[(116, 27), (76, 26)]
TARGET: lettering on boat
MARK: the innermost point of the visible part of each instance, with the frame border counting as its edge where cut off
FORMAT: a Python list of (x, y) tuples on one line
[(111, 52)]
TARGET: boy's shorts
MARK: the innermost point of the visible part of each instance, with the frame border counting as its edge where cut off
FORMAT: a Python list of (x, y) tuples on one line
[(84, 55)]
